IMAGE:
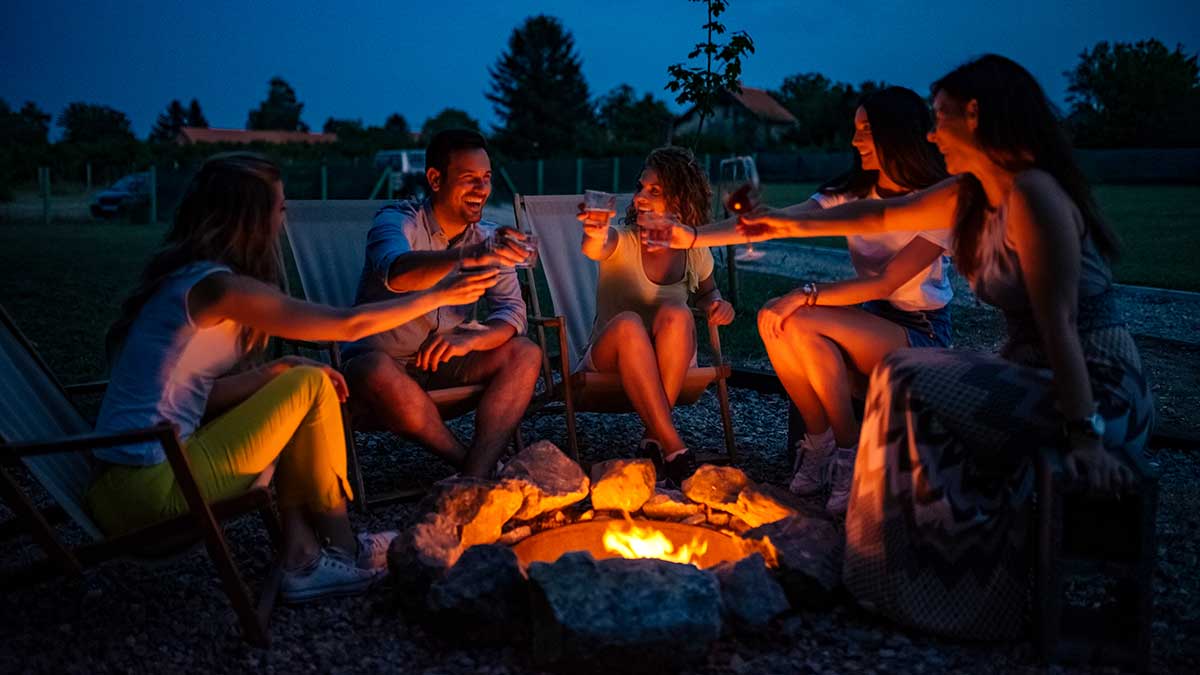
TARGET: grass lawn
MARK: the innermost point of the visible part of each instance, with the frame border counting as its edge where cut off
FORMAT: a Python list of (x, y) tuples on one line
[(1159, 226)]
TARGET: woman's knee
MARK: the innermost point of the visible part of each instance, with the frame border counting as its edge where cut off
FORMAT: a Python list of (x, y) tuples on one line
[(627, 326), (311, 380), (671, 316)]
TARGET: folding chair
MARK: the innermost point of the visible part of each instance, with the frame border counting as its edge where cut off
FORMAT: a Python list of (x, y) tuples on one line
[(40, 428), (572, 279), (328, 241)]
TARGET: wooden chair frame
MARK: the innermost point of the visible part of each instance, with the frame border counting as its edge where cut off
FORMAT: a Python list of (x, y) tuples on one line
[(201, 521)]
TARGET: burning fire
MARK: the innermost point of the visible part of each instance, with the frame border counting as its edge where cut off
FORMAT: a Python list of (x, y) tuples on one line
[(632, 541)]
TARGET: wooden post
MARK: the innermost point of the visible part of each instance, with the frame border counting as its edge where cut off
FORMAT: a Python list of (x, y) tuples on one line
[(616, 175), (88, 179), (541, 176), (153, 194), (731, 266), (578, 175), (324, 181)]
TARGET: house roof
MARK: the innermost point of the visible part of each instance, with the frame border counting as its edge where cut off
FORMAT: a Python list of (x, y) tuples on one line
[(189, 135), (762, 104)]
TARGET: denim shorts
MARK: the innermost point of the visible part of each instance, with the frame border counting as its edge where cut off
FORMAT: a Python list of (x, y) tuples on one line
[(925, 328)]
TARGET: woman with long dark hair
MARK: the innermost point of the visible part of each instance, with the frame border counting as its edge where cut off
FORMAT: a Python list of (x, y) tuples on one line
[(182, 352), (937, 526), (824, 339), (644, 330)]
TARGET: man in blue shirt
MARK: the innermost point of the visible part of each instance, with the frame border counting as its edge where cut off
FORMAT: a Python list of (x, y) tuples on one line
[(411, 247)]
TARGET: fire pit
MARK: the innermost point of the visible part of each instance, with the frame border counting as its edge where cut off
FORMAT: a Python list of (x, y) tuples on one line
[(673, 542), (610, 570)]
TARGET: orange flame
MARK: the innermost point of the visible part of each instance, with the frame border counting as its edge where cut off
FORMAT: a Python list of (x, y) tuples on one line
[(632, 541)]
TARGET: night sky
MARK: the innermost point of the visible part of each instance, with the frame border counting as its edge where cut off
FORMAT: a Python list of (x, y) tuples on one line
[(367, 60)]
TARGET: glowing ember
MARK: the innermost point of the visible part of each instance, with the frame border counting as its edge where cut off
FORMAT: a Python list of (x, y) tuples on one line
[(631, 541)]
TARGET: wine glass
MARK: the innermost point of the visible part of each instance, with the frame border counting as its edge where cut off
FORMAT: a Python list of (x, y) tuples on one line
[(740, 194), (489, 244)]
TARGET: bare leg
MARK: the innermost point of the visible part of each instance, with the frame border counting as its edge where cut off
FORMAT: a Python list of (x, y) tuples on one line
[(510, 371), (300, 544), (334, 526), (400, 405), (832, 340), (674, 344), (623, 346), (786, 357)]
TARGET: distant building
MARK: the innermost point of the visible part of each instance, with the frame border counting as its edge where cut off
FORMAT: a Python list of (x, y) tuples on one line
[(191, 135), (752, 115)]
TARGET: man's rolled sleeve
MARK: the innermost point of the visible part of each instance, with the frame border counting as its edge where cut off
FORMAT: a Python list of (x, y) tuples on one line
[(390, 237), (506, 302)]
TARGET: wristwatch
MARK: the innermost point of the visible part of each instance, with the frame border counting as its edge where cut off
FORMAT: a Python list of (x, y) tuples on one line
[(1090, 427)]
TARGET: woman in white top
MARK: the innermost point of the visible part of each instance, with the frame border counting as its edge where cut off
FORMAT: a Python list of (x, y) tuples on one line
[(182, 350), (824, 339)]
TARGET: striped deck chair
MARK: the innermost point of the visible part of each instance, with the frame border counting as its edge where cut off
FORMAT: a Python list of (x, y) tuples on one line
[(42, 430), (572, 279)]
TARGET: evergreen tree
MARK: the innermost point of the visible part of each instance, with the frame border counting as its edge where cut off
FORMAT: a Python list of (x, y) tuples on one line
[(169, 122), (280, 111), (539, 92), (195, 116)]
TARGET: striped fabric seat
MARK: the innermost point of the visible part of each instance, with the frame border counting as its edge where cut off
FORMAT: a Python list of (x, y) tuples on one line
[(34, 407)]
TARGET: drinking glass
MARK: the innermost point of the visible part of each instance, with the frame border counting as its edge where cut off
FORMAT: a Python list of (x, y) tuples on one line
[(531, 250), (658, 228), (740, 193), (595, 200), (489, 244)]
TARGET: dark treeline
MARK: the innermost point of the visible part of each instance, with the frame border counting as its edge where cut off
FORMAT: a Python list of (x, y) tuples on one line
[(1120, 95)]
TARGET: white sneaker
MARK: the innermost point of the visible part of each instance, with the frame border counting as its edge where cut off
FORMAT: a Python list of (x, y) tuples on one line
[(332, 574), (841, 478), (810, 474), (373, 548)]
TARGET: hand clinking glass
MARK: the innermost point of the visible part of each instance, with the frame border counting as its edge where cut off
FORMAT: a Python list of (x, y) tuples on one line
[(740, 194)]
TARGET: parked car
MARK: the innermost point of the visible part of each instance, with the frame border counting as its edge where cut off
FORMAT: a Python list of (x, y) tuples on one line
[(122, 196), (408, 172)]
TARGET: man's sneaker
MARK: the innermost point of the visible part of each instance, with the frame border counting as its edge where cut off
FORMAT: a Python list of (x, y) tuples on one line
[(680, 468), (373, 548), (811, 473), (841, 478), (334, 573), (649, 449)]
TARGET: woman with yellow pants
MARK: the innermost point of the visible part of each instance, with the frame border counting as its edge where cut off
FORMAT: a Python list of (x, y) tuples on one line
[(205, 305)]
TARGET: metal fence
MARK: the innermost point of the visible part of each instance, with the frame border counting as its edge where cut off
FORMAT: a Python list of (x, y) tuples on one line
[(66, 194)]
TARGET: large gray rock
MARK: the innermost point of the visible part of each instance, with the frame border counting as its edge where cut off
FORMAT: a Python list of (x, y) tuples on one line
[(483, 598), (622, 484), (670, 505), (750, 595), (622, 615), (728, 489), (548, 479), (464, 512), (808, 548)]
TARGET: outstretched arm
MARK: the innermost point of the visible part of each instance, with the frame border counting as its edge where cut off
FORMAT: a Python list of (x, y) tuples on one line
[(931, 208), (250, 302)]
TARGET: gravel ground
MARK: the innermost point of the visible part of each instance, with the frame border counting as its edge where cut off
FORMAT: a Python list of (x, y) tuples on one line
[(171, 616)]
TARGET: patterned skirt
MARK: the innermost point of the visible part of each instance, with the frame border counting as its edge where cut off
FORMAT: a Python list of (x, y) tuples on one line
[(937, 531)]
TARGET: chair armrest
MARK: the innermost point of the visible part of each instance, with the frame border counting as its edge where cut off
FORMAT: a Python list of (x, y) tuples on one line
[(82, 442), (555, 321), (1051, 463), (86, 388)]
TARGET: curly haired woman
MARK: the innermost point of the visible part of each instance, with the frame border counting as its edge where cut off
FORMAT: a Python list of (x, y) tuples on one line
[(644, 330)]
